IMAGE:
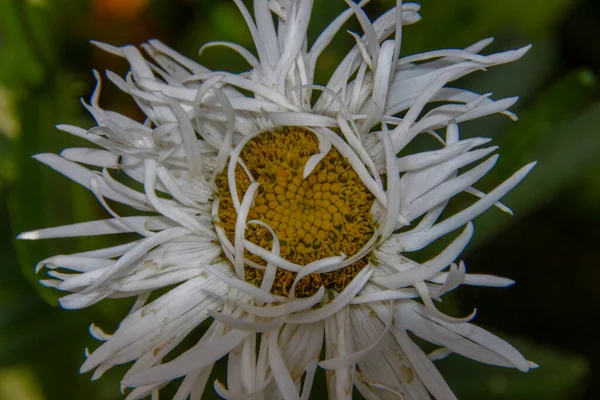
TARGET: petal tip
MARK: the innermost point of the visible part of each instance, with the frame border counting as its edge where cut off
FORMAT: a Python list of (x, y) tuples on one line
[(532, 365), (31, 235)]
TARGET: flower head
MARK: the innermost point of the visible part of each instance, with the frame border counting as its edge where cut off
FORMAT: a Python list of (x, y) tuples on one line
[(286, 223)]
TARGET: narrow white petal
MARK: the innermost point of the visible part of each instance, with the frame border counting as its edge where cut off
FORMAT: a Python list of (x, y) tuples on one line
[(225, 147), (98, 158), (393, 186), (245, 325), (280, 370), (186, 62), (250, 85), (308, 379), (372, 38), (95, 188), (431, 307), (142, 248), (300, 119), (339, 302), (481, 195), (328, 33), (196, 380), (295, 38), (383, 295), (320, 266), (271, 258), (425, 159), (143, 326), (248, 56), (449, 188), (75, 263), (168, 210), (188, 136), (429, 268), (78, 301), (419, 240), (195, 358), (352, 358), (462, 338), (82, 175), (476, 280), (243, 286), (229, 395), (286, 308), (358, 166), (266, 31), (424, 368), (381, 85), (240, 228)]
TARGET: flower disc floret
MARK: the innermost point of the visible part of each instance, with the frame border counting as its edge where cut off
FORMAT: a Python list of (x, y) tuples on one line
[(323, 215)]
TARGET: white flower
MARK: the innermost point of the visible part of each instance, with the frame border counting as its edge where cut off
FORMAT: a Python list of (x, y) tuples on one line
[(288, 223)]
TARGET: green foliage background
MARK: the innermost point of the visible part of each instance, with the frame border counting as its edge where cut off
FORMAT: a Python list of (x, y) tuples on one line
[(550, 246)]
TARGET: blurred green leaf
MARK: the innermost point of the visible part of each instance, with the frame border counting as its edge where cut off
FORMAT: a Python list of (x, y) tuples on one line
[(523, 78), (463, 21), (558, 377), (589, 184), (42, 197), (19, 383), (27, 39), (555, 132), (7, 166), (47, 339)]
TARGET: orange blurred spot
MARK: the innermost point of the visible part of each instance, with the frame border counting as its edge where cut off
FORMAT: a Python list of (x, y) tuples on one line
[(122, 9)]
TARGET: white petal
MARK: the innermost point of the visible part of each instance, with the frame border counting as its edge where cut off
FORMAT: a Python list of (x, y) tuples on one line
[(243, 286), (142, 248), (286, 308), (448, 189), (393, 186), (248, 56), (279, 369), (429, 268), (419, 240), (339, 302), (82, 176), (462, 338), (424, 368), (352, 358), (195, 358), (240, 228), (245, 325)]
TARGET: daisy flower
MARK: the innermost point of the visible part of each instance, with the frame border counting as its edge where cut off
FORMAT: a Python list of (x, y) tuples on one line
[(282, 215)]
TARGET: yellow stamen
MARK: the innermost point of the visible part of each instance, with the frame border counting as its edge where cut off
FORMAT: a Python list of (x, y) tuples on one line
[(324, 215)]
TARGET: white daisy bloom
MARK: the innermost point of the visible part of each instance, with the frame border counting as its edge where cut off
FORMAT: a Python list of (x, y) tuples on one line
[(286, 223)]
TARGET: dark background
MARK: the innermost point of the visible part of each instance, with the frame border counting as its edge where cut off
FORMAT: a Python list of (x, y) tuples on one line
[(550, 247)]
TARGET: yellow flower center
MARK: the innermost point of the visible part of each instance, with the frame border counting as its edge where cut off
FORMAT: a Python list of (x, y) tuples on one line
[(324, 215)]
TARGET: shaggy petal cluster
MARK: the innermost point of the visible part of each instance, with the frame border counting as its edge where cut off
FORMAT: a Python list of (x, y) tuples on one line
[(197, 123)]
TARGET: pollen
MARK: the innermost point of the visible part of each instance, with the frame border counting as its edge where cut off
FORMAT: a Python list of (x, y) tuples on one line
[(324, 215)]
